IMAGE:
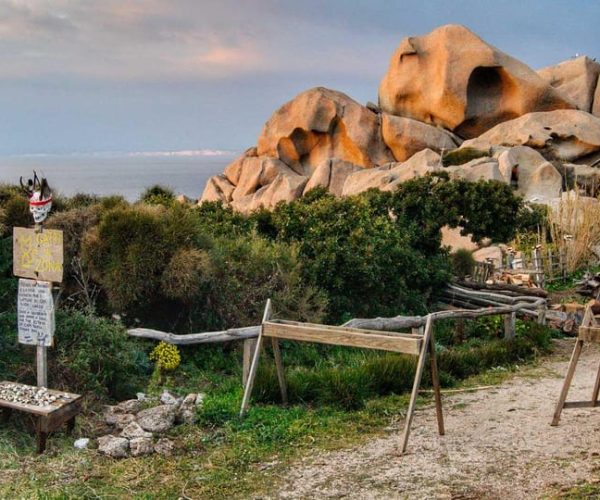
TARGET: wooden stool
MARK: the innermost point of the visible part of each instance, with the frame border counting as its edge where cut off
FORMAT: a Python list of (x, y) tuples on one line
[(49, 418), (589, 331)]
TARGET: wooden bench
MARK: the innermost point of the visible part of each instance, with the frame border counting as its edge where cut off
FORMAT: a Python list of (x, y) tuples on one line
[(417, 344), (49, 418), (589, 331)]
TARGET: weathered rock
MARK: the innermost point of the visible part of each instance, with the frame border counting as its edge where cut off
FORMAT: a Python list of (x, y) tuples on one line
[(332, 175), (576, 79), (534, 177), (110, 415), (167, 398), (405, 137), (586, 177), (133, 430), (129, 406), (114, 447), (485, 169), (562, 135), (368, 178), (423, 163), (452, 78), (164, 447), (320, 124), (123, 420), (187, 411), (217, 188), (596, 104), (494, 253), (200, 399), (141, 446), (158, 419)]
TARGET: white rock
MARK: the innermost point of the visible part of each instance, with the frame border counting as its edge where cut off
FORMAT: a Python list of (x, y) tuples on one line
[(164, 447), (167, 398), (133, 430), (81, 444)]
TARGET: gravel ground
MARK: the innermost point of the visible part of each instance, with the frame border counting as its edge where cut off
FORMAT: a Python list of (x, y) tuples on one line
[(498, 444)]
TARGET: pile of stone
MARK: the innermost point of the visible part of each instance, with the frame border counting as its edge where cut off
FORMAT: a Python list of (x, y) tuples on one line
[(29, 395), (138, 428), (448, 102)]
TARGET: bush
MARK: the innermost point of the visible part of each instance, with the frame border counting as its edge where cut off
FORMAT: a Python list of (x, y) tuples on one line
[(463, 263), (91, 355), (354, 250), (158, 195)]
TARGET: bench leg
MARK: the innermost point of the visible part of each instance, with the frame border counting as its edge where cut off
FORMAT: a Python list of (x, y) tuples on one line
[(42, 437), (567, 383), (70, 426), (6, 412)]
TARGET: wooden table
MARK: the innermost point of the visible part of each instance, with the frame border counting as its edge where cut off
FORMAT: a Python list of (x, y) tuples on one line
[(50, 417)]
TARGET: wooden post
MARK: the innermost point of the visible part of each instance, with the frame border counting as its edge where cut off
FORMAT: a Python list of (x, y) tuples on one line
[(435, 381), (279, 368), (247, 355), (415, 390), (42, 366), (255, 359), (510, 325), (596, 389), (567, 382)]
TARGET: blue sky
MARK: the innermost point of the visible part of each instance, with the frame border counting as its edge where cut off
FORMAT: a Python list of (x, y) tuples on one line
[(155, 75)]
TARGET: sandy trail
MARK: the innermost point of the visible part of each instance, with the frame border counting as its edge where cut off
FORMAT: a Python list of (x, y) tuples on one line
[(498, 444)]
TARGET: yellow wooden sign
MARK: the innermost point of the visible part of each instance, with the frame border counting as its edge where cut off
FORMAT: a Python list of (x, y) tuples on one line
[(38, 255)]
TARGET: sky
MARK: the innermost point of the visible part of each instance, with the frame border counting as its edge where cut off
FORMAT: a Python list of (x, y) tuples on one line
[(168, 75)]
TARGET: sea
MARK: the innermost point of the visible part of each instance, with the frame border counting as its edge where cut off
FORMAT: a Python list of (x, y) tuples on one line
[(123, 173)]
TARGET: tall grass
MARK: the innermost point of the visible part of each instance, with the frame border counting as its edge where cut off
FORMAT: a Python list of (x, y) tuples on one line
[(575, 229)]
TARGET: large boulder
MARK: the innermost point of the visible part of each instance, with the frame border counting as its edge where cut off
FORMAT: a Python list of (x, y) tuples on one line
[(535, 178), (576, 79), (596, 104), (405, 137), (217, 188), (562, 135), (320, 124), (423, 163), (452, 78), (285, 186), (331, 174), (365, 179), (480, 169)]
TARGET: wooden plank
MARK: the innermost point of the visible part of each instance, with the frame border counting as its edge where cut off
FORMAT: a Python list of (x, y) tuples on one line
[(38, 254), (407, 344), (579, 404), (596, 388), (567, 383), (589, 333), (41, 410)]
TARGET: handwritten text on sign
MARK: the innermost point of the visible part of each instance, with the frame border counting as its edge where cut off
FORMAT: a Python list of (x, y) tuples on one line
[(35, 312), (38, 255)]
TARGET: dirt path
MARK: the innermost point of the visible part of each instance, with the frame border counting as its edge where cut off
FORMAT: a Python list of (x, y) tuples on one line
[(498, 444)]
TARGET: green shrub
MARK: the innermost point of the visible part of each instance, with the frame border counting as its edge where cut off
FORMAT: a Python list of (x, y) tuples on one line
[(91, 355), (463, 155), (463, 263), (158, 195)]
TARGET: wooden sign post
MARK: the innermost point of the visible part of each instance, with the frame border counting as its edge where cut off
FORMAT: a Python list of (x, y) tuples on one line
[(38, 261), (416, 344)]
